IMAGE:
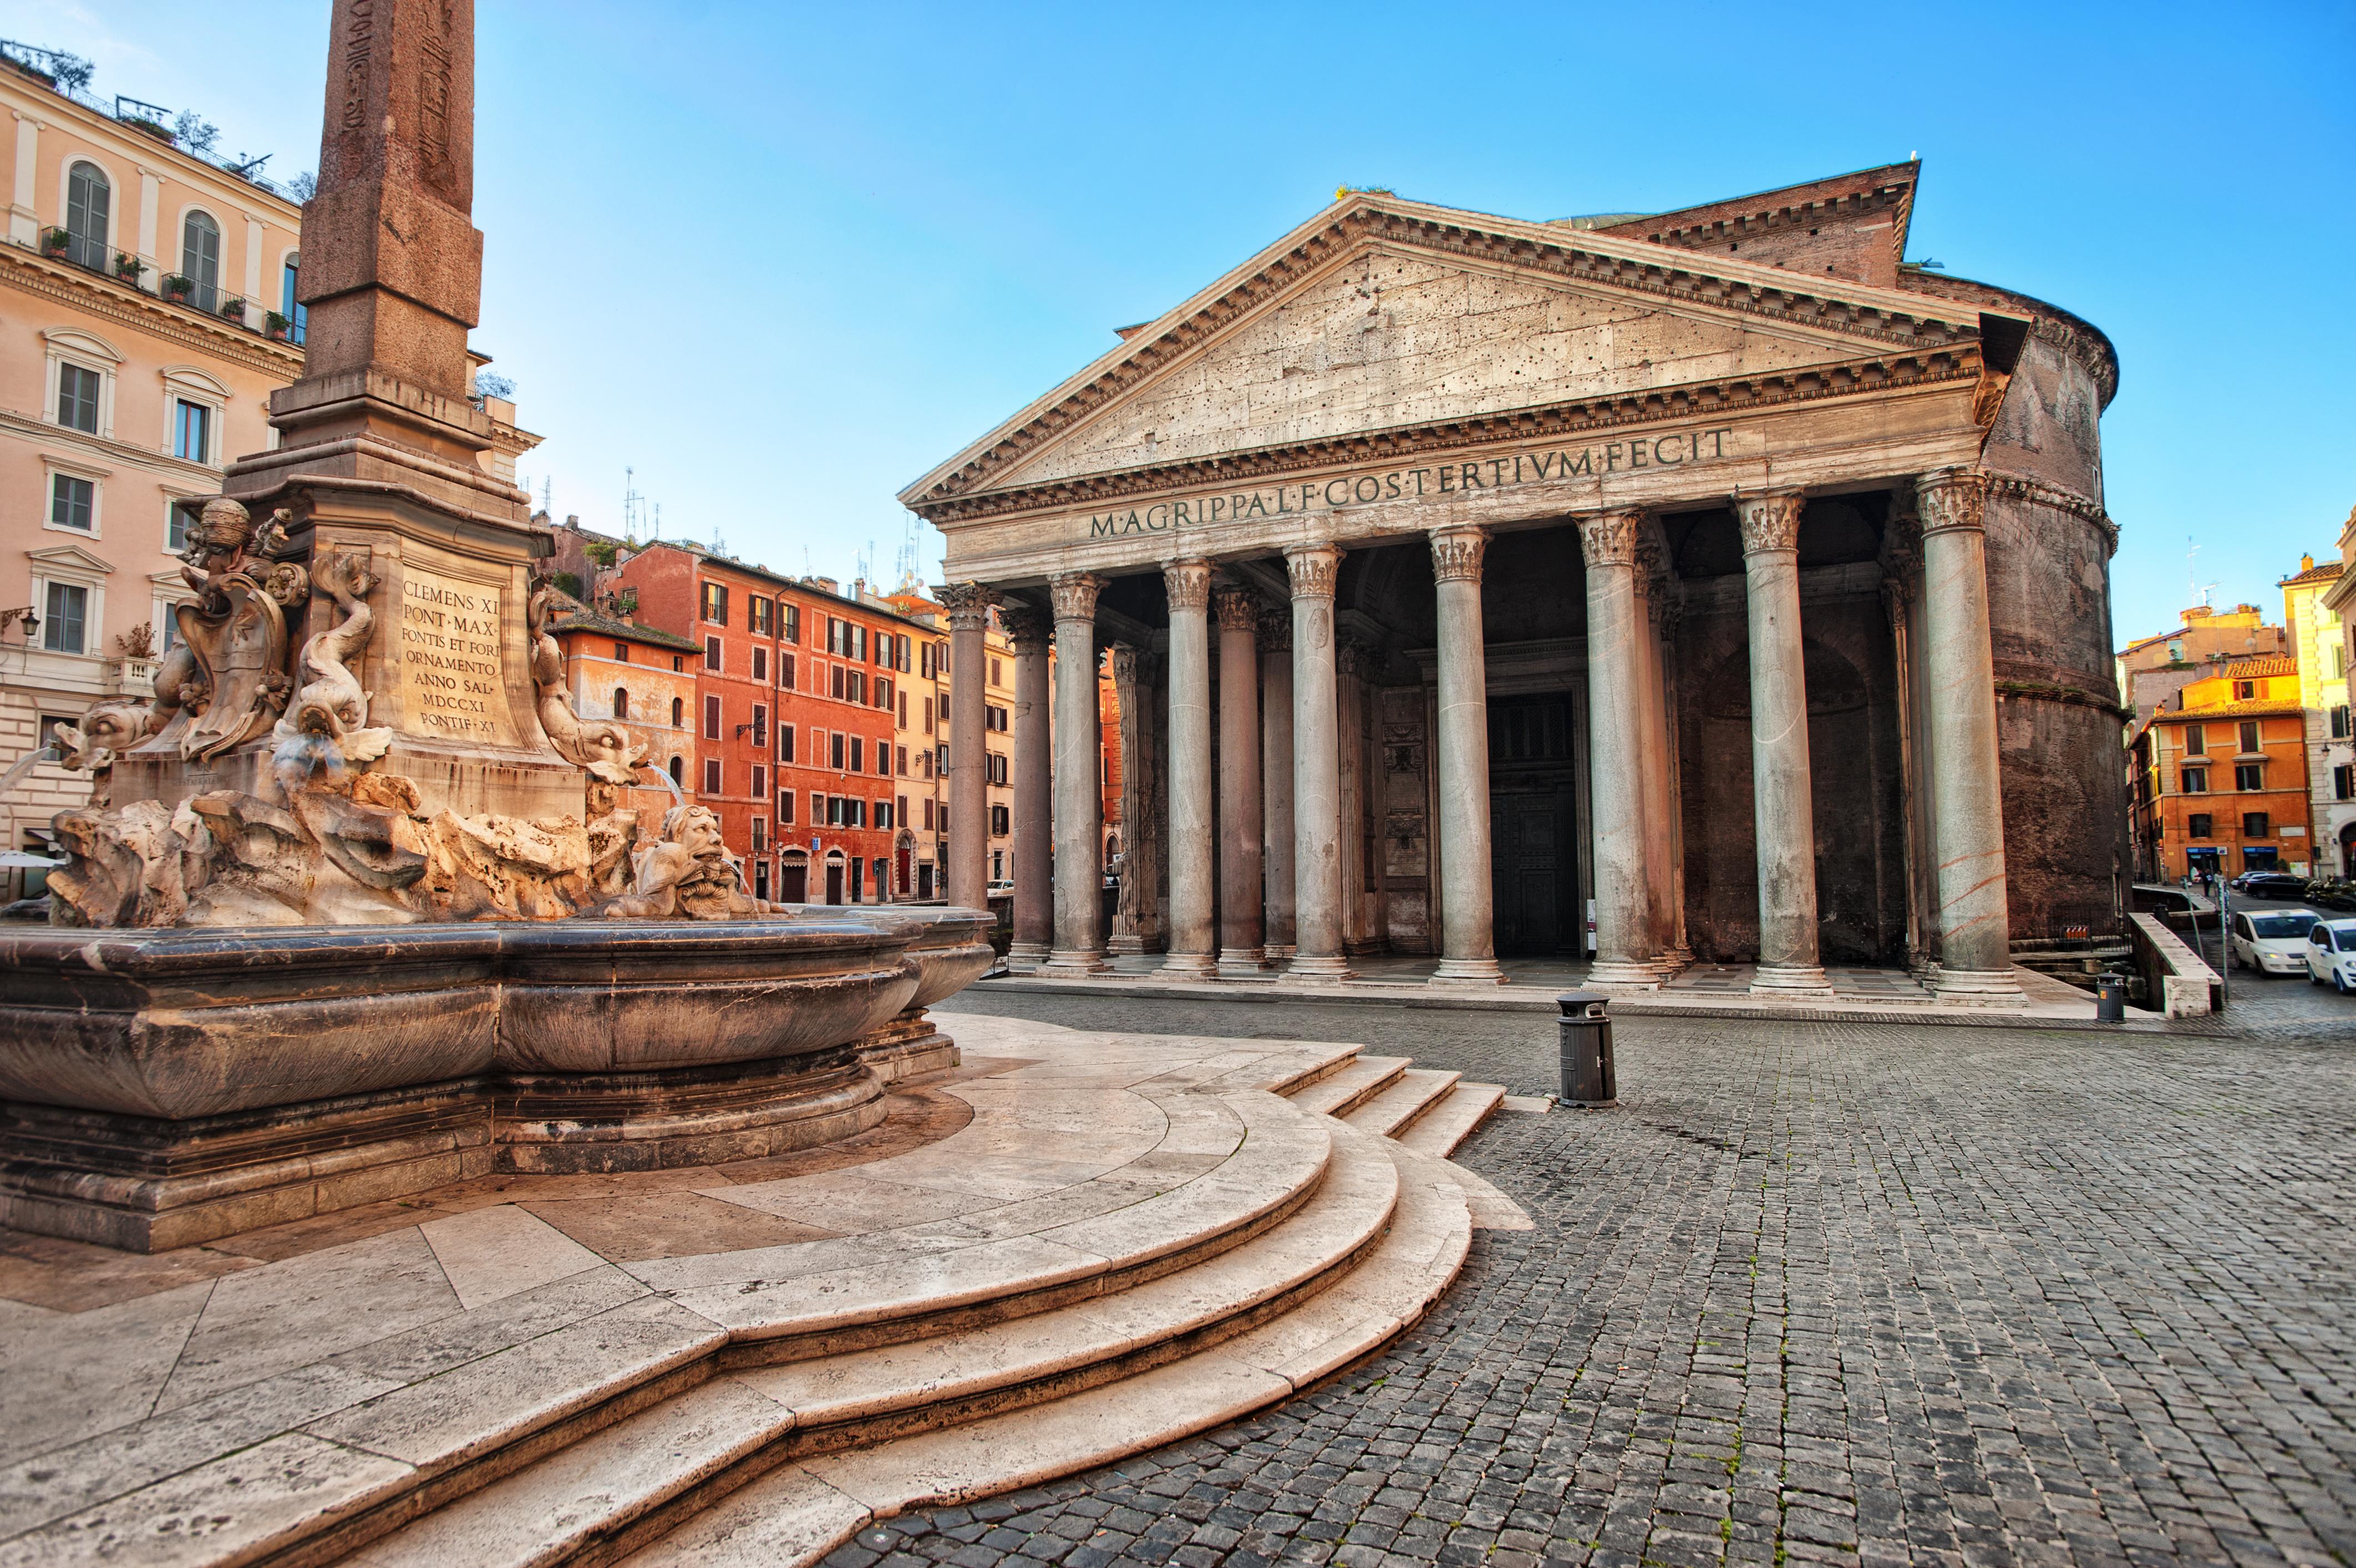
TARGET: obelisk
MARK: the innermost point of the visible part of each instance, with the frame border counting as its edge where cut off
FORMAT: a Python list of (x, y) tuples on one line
[(381, 452)]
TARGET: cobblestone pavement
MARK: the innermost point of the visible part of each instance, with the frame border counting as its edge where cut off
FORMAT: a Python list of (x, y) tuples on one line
[(1818, 1293)]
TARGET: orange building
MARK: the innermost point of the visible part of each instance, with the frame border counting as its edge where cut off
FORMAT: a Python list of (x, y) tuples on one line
[(615, 667), (2220, 776)]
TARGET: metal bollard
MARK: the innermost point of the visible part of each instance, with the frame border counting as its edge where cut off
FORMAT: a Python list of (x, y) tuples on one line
[(1586, 1027), (2110, 999)]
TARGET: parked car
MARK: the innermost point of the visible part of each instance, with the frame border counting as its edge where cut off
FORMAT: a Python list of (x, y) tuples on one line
[(2279, 885), (2270, 942), (2332, 954)]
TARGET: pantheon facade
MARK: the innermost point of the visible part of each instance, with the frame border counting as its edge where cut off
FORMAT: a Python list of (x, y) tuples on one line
[(1708, 585)]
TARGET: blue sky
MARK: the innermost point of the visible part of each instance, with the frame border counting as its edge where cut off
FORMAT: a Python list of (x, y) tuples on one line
[(780, 260)]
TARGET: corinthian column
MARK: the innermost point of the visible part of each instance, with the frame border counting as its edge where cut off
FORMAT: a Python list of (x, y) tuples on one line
[(1958, 664), (1242, 935), (1316, 769), (1188, 584), (1616, 630), (1468, 938), (1276, 778), (968, 605), (1034, 851), (1079, 793), (1783, 800)]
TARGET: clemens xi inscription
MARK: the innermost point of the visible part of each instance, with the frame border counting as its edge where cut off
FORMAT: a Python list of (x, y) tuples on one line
[(450, 678)]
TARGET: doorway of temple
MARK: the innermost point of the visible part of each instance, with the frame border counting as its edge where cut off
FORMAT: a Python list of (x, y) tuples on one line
[(1534, 855)]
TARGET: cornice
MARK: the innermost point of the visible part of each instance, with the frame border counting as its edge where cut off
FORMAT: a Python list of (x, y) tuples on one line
[(21, 268), (1731, 395), (1683, 276), (200, 477), (2037, 492)]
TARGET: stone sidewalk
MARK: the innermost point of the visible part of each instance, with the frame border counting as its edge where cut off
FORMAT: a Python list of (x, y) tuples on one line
[(1824, 1293)]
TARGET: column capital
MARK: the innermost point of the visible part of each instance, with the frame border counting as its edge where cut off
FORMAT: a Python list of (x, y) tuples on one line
[(1237, 608), (1028, 630), (1276, 630), (1123, 657), (1608, 538), (1951, 497), (1769, 522), (1456, 552), (1188, 584), (1314, 568), (1358, 658), (968, 605), (1075, 594)]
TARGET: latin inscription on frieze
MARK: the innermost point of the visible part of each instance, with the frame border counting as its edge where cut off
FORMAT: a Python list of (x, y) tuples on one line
[(450, 673), (1595, 460)]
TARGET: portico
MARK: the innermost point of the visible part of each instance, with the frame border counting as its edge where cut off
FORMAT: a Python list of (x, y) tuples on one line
[(1519, 589)]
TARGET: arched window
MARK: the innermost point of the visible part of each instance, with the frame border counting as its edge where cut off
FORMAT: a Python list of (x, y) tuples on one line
[(88, 195), (621, 703), (200, 253), (678, 713), (677, 770)]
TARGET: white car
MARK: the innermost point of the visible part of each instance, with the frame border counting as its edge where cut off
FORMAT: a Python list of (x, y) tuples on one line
[(2270, 942), (2332, 954)]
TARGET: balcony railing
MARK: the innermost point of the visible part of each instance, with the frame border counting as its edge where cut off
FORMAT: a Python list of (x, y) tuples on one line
[(93, 255)]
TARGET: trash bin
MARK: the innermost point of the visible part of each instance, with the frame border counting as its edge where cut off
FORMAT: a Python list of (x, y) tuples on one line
[(2110, 999), (1586, 1025)]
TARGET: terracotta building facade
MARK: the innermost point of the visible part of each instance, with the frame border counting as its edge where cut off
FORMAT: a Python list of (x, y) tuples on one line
[(1713, 579), (2219, 781), (806, 726)]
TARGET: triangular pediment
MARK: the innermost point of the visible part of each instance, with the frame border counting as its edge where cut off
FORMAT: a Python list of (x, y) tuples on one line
[(1385, 315), (69, 558)]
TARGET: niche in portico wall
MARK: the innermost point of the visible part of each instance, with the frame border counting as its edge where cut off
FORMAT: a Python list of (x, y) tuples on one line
[(1853, 736)]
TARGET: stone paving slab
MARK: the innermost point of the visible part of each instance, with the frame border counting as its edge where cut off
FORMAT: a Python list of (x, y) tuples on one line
[(1819, 1293)]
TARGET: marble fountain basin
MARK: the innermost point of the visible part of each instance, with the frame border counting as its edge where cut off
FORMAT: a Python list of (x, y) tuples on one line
[(163, 1088), (183, 1024)]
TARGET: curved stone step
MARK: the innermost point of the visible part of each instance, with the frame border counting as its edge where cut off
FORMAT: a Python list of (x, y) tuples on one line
[(1345, 1090), (803, 1510), (663, 1463), (331, 1456), (1455, 1118), (1398, 1108)]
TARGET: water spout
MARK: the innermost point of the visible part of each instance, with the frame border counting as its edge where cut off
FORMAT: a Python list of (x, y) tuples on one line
[(26, 763)]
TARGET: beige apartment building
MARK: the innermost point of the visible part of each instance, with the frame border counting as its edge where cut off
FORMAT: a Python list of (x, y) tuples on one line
[(122, 393), (2318, 641)]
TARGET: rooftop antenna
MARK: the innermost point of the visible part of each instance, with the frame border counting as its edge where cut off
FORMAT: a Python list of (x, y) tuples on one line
[(657, 519), (2192, 574), (548, 495), (630, 499)]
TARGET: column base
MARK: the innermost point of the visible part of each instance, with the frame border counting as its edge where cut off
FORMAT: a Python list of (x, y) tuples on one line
[(1790, 980), (1280, 952), (1189, 966), (1978, 988), (1313, 969), (1467, 971), (1672, 963), (1243, 964), (1125, 944), (1613, 976), (1074, 962), (1030, 954)]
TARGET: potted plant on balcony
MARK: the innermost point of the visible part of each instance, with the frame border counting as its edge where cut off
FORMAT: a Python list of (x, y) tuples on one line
[(128, 267), (234, 309), (55, 241), (274, 326), (176, 288)]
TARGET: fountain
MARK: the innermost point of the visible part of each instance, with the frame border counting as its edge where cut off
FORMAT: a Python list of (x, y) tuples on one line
[(354, 909)]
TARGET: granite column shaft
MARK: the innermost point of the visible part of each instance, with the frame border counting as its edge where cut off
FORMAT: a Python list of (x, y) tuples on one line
[(1188, 585), (1468, 942), (1316, 767), (1782, 787), (1034, 852), (1079, 788)]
